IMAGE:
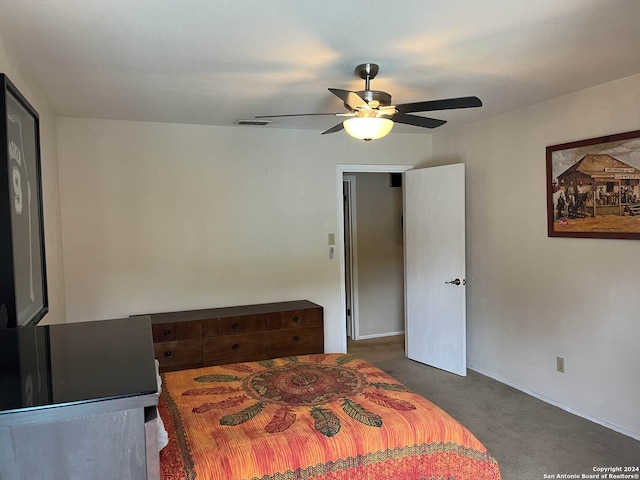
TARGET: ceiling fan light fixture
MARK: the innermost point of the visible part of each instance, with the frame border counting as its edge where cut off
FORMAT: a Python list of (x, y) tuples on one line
[(368, 128)]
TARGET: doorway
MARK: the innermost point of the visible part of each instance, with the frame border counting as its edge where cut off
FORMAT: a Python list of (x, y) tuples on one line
[(351, 295), (374, 256), (434, 248)]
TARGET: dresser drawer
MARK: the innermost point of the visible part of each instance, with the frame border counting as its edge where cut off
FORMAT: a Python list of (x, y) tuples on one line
[(234, 325), (178, 354), (166, 332), (295, 319), (233, 348), (295, 341)]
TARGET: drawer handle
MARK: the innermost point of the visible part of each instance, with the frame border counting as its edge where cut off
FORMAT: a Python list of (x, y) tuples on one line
[(167, 331), (234, 325), (296, 338), (296, 318), (235, 346), (167, 354)]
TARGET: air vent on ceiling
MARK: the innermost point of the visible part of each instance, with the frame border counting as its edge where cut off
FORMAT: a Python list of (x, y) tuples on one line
[(258, 123)]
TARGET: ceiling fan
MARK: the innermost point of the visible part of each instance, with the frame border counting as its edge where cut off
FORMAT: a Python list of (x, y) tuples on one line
[(372, 115)]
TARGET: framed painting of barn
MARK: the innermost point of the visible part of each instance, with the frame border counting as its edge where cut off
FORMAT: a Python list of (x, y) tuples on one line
[(593, 187)]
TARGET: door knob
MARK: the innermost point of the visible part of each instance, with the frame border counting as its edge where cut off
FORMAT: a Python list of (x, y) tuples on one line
[(454, 282)]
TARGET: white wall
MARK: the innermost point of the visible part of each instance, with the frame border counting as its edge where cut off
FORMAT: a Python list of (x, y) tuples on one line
[(380, 258), (531, 298), (163, 217), (53, 249)]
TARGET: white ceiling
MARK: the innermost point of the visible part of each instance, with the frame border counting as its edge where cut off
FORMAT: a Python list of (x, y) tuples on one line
[(214, 62)]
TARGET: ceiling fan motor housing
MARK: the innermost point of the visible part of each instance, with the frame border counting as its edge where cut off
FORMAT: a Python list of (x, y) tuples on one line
[(383, 98)]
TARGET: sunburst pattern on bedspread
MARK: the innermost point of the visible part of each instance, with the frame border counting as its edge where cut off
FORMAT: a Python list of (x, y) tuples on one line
[(316, 417)]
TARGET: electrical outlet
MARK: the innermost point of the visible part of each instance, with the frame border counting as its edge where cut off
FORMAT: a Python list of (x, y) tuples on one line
[(560, 364)]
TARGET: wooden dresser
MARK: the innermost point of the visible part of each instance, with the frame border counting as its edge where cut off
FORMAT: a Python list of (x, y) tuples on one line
[(218, 336)]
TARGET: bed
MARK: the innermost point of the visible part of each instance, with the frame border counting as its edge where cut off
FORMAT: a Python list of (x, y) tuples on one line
[(312, 417)]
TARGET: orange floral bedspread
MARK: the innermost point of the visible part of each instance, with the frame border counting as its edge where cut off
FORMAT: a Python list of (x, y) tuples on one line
[(316, 417)]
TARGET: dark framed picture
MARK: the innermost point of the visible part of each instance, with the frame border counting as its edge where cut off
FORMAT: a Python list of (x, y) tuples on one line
[(23, 279), (593, 187)]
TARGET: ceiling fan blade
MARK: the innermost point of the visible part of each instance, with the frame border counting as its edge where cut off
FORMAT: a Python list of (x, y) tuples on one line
[(299, 115), (417, 121), (351, 99), (334, 129), (446, 104)]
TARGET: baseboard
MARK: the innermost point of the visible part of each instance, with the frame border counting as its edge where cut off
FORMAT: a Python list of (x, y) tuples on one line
[(562, 406), (380, 335)]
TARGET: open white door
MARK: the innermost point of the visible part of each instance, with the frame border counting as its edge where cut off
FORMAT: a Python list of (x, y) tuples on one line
[(434, 246)]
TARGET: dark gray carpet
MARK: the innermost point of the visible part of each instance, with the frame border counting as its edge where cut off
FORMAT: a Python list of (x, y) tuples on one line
[(528, 437)]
